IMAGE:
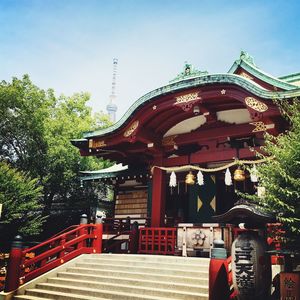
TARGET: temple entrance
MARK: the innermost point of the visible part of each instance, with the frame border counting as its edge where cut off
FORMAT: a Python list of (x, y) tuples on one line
[(202, 200), (192, 203), (197, 204), (177, 203)]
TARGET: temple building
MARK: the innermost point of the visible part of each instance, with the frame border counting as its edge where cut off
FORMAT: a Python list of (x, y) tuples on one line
[(180, 150)]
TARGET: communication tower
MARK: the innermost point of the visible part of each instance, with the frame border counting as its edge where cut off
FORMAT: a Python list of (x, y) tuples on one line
[(111, 106)]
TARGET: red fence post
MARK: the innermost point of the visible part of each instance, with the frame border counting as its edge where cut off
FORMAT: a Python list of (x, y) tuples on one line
[(97, 242), (218, 278), (62, 243), (82, 230), (12, 281)]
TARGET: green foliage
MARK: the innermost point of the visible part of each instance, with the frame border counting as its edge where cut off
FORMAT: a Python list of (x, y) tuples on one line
[(69, 118), (35, 132), (23, 108), (280, 175), (20, 197)]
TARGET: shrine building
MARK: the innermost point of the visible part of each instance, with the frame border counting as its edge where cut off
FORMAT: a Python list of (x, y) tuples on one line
[(181, 149)]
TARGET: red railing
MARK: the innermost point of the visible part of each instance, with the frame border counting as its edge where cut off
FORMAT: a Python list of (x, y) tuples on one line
[(157, 240), (83, 239), (115, 225)]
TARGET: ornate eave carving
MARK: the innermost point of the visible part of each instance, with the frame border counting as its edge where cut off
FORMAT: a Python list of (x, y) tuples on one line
[(256, 104), (186, 101), (188, 72), (131, 129), (96, 144)]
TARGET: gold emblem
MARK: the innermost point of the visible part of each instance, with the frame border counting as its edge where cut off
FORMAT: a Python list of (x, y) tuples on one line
[(186, 98), (259, 126), (131, 129), (255, 104), (96, 144), (99, 144), (245, 75), (186, 101), (169, 140)]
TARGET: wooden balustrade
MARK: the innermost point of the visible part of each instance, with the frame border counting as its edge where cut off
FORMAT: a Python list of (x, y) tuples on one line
[(157, 240), (27, 264)]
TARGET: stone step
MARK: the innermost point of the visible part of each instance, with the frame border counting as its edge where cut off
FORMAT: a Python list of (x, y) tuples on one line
[(123, 277), (151, 291), (152, 258), (45, 294), (28, 297), (35, 294), (136, 275), (119, 292), (147, 263), (153, 270), (160, 283)]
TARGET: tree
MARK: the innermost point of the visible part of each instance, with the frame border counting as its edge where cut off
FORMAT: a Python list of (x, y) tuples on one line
[(23, 109), (35, 132), (20, 196), (69, 118), (280, 174)]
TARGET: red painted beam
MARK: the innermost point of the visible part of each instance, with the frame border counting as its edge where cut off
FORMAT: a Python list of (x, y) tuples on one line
[(146, 136), (214, 133), (208, 156)]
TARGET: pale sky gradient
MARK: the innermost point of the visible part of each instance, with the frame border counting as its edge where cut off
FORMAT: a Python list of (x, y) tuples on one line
[(69, 45)]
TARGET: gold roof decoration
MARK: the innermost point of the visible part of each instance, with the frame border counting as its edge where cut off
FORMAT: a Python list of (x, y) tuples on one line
[(131, 129), (256, 104)]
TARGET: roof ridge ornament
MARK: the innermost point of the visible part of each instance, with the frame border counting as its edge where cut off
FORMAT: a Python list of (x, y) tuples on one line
[(188, 72), (245, 56)]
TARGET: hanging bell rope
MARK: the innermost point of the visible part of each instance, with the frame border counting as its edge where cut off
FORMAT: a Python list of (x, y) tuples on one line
[(172, 182), (254, 174), (228, 178), (191, 167), (200, 178)]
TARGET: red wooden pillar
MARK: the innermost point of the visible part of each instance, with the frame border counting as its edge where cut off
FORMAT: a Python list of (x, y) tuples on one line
[(97, 242), (12, 281), (158, 197)]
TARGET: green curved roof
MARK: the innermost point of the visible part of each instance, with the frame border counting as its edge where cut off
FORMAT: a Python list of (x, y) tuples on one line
[(196, 82), (291, 78), (252, 69)]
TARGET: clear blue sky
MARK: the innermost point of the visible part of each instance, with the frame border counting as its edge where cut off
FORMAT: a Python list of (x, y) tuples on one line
[(69, 45)]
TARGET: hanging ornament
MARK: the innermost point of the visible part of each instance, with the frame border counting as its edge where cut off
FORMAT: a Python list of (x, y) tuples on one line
[(254, 174), (172, 182), (239, 175), (200, 178), (228, 179), (190, 178)]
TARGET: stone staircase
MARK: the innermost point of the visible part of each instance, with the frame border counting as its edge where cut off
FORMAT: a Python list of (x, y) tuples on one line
[(123, 277)]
